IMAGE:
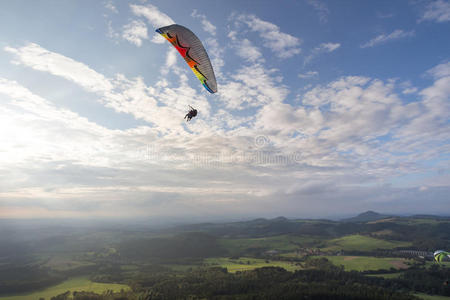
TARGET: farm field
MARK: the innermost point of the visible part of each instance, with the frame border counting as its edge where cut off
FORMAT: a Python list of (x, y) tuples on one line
[(431, 297), (386, 275), (74, 284), (280, 243), (429, 264), (366, 263), (358, 242), (247, 263), (258, 252), (65, 263)]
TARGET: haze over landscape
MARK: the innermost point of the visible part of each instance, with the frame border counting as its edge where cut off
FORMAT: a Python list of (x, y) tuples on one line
[(318, 170), (323, 109)]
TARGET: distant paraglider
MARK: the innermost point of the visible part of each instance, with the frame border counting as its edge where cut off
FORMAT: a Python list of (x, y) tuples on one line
[(191, 114), (441, 255), (191, 49)]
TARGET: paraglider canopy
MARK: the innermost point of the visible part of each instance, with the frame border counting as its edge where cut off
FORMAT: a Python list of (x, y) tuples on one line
[(440, 255), (191, 49)]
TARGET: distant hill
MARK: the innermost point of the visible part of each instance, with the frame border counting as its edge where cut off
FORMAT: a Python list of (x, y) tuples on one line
[(434, 217), (369, 222), (367, 216), (254, 228)]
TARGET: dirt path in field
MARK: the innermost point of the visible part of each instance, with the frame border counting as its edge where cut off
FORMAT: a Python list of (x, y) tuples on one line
[(399, 264), (350, 258)]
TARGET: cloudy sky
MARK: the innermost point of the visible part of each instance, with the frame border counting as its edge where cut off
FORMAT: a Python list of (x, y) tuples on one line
[(324, 108)]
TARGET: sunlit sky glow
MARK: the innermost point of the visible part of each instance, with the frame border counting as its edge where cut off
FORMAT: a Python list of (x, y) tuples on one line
[(324, 108)]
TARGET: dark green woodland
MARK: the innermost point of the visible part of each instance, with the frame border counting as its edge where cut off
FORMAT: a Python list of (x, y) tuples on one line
[(381, 257)]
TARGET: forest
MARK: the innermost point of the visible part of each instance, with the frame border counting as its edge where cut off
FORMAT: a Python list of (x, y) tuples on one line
[(386, 258)]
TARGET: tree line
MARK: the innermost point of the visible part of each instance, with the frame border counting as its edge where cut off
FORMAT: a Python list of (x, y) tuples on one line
[(322, 281)]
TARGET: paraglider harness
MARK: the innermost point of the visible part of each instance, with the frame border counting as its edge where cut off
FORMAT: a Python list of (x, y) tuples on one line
[(191, 114)]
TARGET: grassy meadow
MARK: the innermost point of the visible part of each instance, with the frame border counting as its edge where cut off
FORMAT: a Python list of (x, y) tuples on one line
[(283, 243), (247, 263), (357, 242), (431, 297), (386, 275), (74, 284), (97, 263), (366, 263)]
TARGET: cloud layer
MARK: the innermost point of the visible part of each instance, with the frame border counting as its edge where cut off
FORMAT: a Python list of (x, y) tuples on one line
[(261, 146), (438, 11), (384, 38)]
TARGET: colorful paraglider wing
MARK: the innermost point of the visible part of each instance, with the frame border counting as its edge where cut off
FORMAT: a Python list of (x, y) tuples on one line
[(441, 255), (193, 52)]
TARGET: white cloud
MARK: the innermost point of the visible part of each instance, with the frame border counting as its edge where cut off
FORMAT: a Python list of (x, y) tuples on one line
[(111, 32), (427, 135), (62, 159), (252, 86), (353, 109), (246, 50), (110, 5), (438, 11), (216, 53), (408, 88), (121, 94), (309, 74), (38, 58), (171, 58), (383, 38), (207, 25), (328, 47), (322, 48), (282, 44), (59, 143), (283, 119), (441, 70), (440, 89), (135, 32), (154, 16), (321, 8), (40, 131), (346, 135), (359, 112)]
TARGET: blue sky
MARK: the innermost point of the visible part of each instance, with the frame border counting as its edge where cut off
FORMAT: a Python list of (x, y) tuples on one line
[(324, 108)]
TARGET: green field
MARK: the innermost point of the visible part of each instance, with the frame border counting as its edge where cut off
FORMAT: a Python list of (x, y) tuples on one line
[(431, 297), (292, 255), (181, 268), (247, 263), (445, 264), (285, 243), (366, 263), (386, 275), (64, 262), (358, 242), (74, 284), (420, 221)]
